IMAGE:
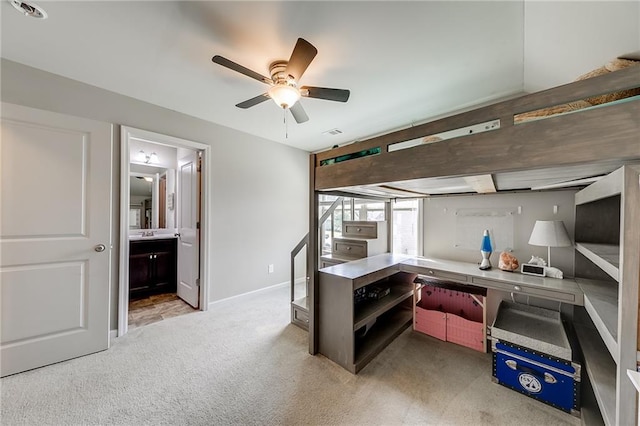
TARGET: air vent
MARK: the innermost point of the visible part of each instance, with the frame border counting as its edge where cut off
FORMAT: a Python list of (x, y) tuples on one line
[(29, 9), (332, 132)]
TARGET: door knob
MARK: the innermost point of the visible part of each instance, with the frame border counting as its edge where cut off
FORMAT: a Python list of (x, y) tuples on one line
[(100, 248)]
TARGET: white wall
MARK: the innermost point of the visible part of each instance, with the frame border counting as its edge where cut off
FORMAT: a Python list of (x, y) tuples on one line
[(260, 188), (565, 39), (440, 225)]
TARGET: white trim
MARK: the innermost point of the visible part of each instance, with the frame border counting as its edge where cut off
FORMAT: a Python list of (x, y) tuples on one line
[(125, 201), (127, 133), (253, 292), (113, 335)]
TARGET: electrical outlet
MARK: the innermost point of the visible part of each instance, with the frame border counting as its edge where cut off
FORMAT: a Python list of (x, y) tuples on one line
[(271, 268)]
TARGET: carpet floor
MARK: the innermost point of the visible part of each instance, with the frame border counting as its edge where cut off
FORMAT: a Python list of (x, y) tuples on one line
[(242, 363)]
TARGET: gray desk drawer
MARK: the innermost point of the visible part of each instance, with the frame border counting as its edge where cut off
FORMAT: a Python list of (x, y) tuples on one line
[(360, 229), (351, 248), (517, 288), (446, 275)]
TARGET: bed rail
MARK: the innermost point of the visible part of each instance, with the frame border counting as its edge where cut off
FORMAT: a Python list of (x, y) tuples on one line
[(608, 132)]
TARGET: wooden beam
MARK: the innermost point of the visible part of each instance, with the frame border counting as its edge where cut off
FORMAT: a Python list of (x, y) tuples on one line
[(595, 135), (312, 260), (619, 80), (482, 184)]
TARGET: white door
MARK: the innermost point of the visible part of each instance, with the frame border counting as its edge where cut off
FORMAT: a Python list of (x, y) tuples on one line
[(55, 197), (189, 240)]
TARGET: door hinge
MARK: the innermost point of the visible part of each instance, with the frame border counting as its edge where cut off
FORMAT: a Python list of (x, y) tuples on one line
[(198, 282), (197, 225)]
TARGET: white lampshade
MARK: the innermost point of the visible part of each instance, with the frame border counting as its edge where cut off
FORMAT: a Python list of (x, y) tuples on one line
[(284, 96), (549, 233)]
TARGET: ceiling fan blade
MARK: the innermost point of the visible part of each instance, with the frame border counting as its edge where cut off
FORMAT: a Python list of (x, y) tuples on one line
[(239, 68), (302, 55), (339, 95), (253, 101), (298, 113)]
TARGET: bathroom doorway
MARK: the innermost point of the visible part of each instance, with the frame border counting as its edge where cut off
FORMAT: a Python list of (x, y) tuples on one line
[(163, 239)]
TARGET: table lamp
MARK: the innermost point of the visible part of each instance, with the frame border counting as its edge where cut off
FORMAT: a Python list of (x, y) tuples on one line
[(549, 233)]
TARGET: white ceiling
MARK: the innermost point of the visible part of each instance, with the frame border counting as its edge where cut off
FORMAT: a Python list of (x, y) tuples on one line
[(404, 62)]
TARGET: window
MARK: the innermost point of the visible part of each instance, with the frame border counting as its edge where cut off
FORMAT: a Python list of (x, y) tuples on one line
[(406, 229), (369, 210)]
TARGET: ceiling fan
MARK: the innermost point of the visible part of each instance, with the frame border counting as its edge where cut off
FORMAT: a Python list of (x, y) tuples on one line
[(285, 76)]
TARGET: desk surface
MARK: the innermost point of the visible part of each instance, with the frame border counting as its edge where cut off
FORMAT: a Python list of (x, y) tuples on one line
[(565, 290), (367, 265)]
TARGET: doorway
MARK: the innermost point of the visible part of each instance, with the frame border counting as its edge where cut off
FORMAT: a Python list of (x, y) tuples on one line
[(164, 200)]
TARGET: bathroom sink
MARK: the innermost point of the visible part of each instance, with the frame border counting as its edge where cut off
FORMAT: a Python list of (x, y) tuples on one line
[(151, 237)]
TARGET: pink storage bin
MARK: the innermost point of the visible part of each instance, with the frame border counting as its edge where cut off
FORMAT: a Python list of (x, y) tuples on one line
[(433, 323), (466, 333), (452, 315)]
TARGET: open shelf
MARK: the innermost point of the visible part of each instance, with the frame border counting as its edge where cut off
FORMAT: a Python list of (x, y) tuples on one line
[(601, 303), (589, 411), (373, 308), (605, 256), (387, 327), (600, 367)]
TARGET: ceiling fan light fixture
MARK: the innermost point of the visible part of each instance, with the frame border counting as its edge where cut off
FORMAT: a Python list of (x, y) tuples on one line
[(284, 96)]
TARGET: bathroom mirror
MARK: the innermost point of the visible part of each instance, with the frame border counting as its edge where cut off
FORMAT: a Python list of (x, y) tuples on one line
[(151, 195)]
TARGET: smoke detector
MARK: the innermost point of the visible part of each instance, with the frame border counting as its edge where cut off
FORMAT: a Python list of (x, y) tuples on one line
[(29, 9)]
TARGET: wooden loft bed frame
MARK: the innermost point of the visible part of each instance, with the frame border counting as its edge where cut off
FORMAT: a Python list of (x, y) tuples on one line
[(606, 134)]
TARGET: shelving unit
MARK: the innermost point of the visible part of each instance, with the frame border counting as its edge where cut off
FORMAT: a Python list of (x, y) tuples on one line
[(601, 370), (353, 332), (605, 256), (601, 302), (369, 311), (607, 270)]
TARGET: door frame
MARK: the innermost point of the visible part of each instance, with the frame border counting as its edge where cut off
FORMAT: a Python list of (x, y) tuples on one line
[(127, 133)]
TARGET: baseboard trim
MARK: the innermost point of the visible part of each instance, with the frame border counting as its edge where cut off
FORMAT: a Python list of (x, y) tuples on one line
[(253, 292), (113, 335)]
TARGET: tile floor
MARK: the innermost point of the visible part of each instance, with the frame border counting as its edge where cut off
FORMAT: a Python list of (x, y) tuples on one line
[(156, 308)]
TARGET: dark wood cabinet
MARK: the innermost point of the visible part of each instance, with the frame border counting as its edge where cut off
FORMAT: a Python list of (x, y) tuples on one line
[(152, 267)]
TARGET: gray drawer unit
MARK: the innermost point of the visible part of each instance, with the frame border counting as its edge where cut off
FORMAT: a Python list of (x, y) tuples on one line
[(523, 289), (350, 248), (447, 275), (363, 229)]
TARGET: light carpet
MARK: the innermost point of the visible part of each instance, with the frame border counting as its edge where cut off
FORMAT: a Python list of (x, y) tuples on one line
[(242, 363)]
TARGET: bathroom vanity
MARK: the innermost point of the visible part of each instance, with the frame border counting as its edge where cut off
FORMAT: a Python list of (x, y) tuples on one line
[(152, 266)]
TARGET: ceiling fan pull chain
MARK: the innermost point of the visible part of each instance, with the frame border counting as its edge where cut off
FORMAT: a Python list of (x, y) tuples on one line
[(286, 127)]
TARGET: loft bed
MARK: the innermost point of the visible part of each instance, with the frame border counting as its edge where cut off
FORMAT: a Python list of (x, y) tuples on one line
[(553, 138), (493, 143)]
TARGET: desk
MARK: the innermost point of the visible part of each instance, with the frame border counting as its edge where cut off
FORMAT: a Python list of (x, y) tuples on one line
[(561, 290), (344, 335)]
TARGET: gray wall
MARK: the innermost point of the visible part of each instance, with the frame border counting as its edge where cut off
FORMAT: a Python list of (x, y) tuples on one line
[(260, 188), (579, 35), (440, 223)]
